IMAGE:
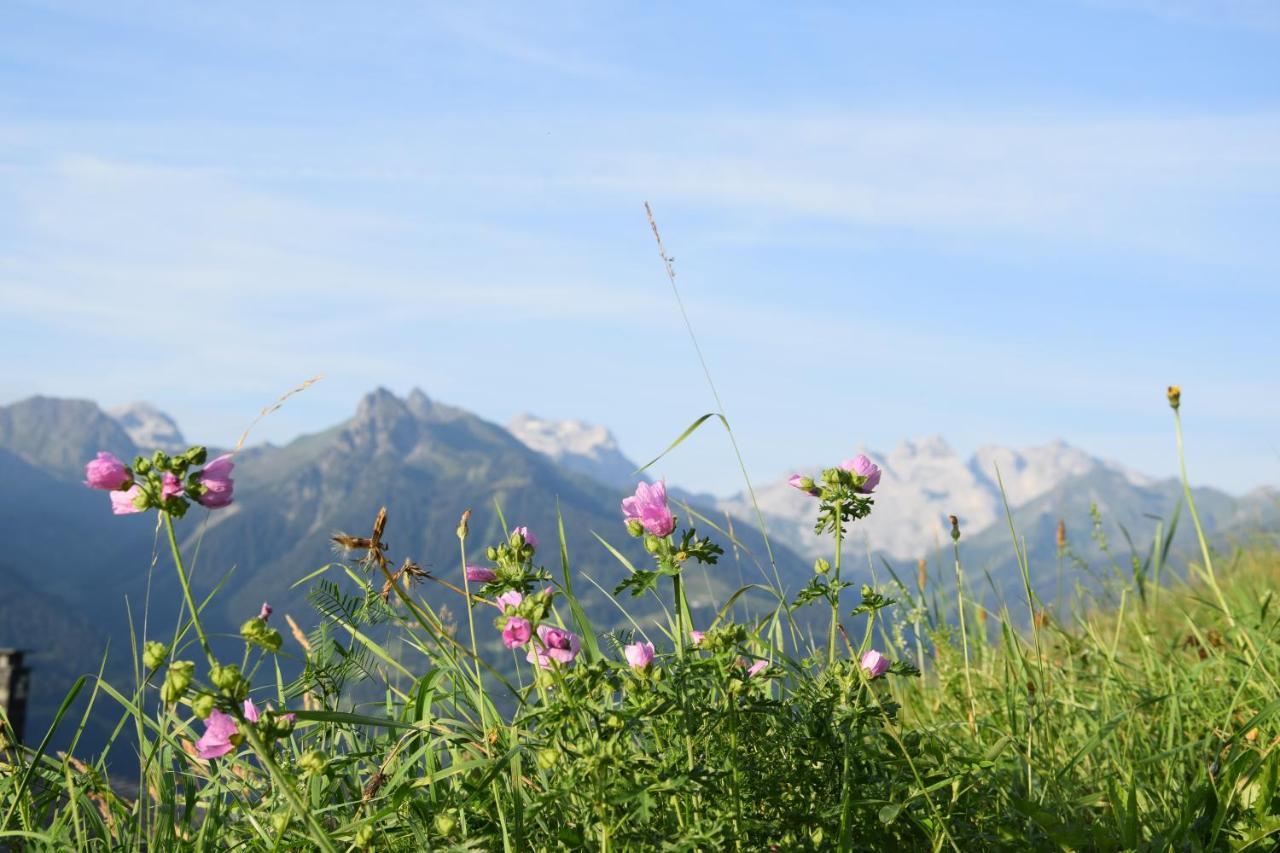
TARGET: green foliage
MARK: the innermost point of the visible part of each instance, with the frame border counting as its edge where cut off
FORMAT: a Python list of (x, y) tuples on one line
[(410, 728)]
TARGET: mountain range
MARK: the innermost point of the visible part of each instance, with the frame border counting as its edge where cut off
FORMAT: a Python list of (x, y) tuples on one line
[(69, 565), (1110, 512)]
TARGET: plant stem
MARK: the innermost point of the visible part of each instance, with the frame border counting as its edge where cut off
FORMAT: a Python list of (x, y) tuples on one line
[(285, 784), (471, 626), (677, 593), (186, 587), (835, 599), (964, 638), (1210, 576), (259, 748)]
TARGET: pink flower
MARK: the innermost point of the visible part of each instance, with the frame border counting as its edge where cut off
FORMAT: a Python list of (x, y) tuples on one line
[(804, 484), (122, 503), (218, 731), (557, 645), (516, 632), (874, 663), (510, 598), (106, 472), (639, 655), (649, 507), (479, 574), (863, 467), (757, 668), (529, 538), (251, 712), (265, 613), (217, 482), (172, 486), (696, 637)]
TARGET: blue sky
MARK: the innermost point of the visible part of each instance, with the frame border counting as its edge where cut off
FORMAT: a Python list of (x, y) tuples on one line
[(998, 222)]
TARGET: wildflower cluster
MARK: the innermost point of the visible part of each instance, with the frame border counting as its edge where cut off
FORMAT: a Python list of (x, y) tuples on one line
[(649, 518), (595, 726), (843, 492), (163, 482)]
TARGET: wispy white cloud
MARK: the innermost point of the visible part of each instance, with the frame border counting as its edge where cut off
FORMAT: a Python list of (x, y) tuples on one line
[(1158, 184)]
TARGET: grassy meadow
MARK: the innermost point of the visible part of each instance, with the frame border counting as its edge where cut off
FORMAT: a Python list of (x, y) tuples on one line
[(912, 714)]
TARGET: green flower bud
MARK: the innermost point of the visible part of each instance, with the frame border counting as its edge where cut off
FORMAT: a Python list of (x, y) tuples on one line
[(228, 679), (197, 455), (256, 631), (176, 681), (364, 837), (821, 567), (635, 528), (955, 528), (313, 763), (202, 704), (274, 724), (154, 654), (445, 823), (492, 554), (548, 757), (652, 543), (223, 677)]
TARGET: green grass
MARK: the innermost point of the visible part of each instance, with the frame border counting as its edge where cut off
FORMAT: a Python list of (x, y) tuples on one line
[(1151, 726)]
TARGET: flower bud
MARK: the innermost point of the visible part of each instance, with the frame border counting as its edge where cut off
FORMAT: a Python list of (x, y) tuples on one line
[(547, 758), (821, 567), (107, 472), (635, 528), (313, 763), (462, 524), (364, 837), (1175, 396), (228, 679), (176, 681), (874, 664), (955, 528), (153, 654), (445, 823), (202, 704), (804, 484), (652, 543)]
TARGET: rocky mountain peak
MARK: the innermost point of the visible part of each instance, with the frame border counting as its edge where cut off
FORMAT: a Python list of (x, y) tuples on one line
[(148, 427), (930, 447), (579, 446), (61, 435)]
